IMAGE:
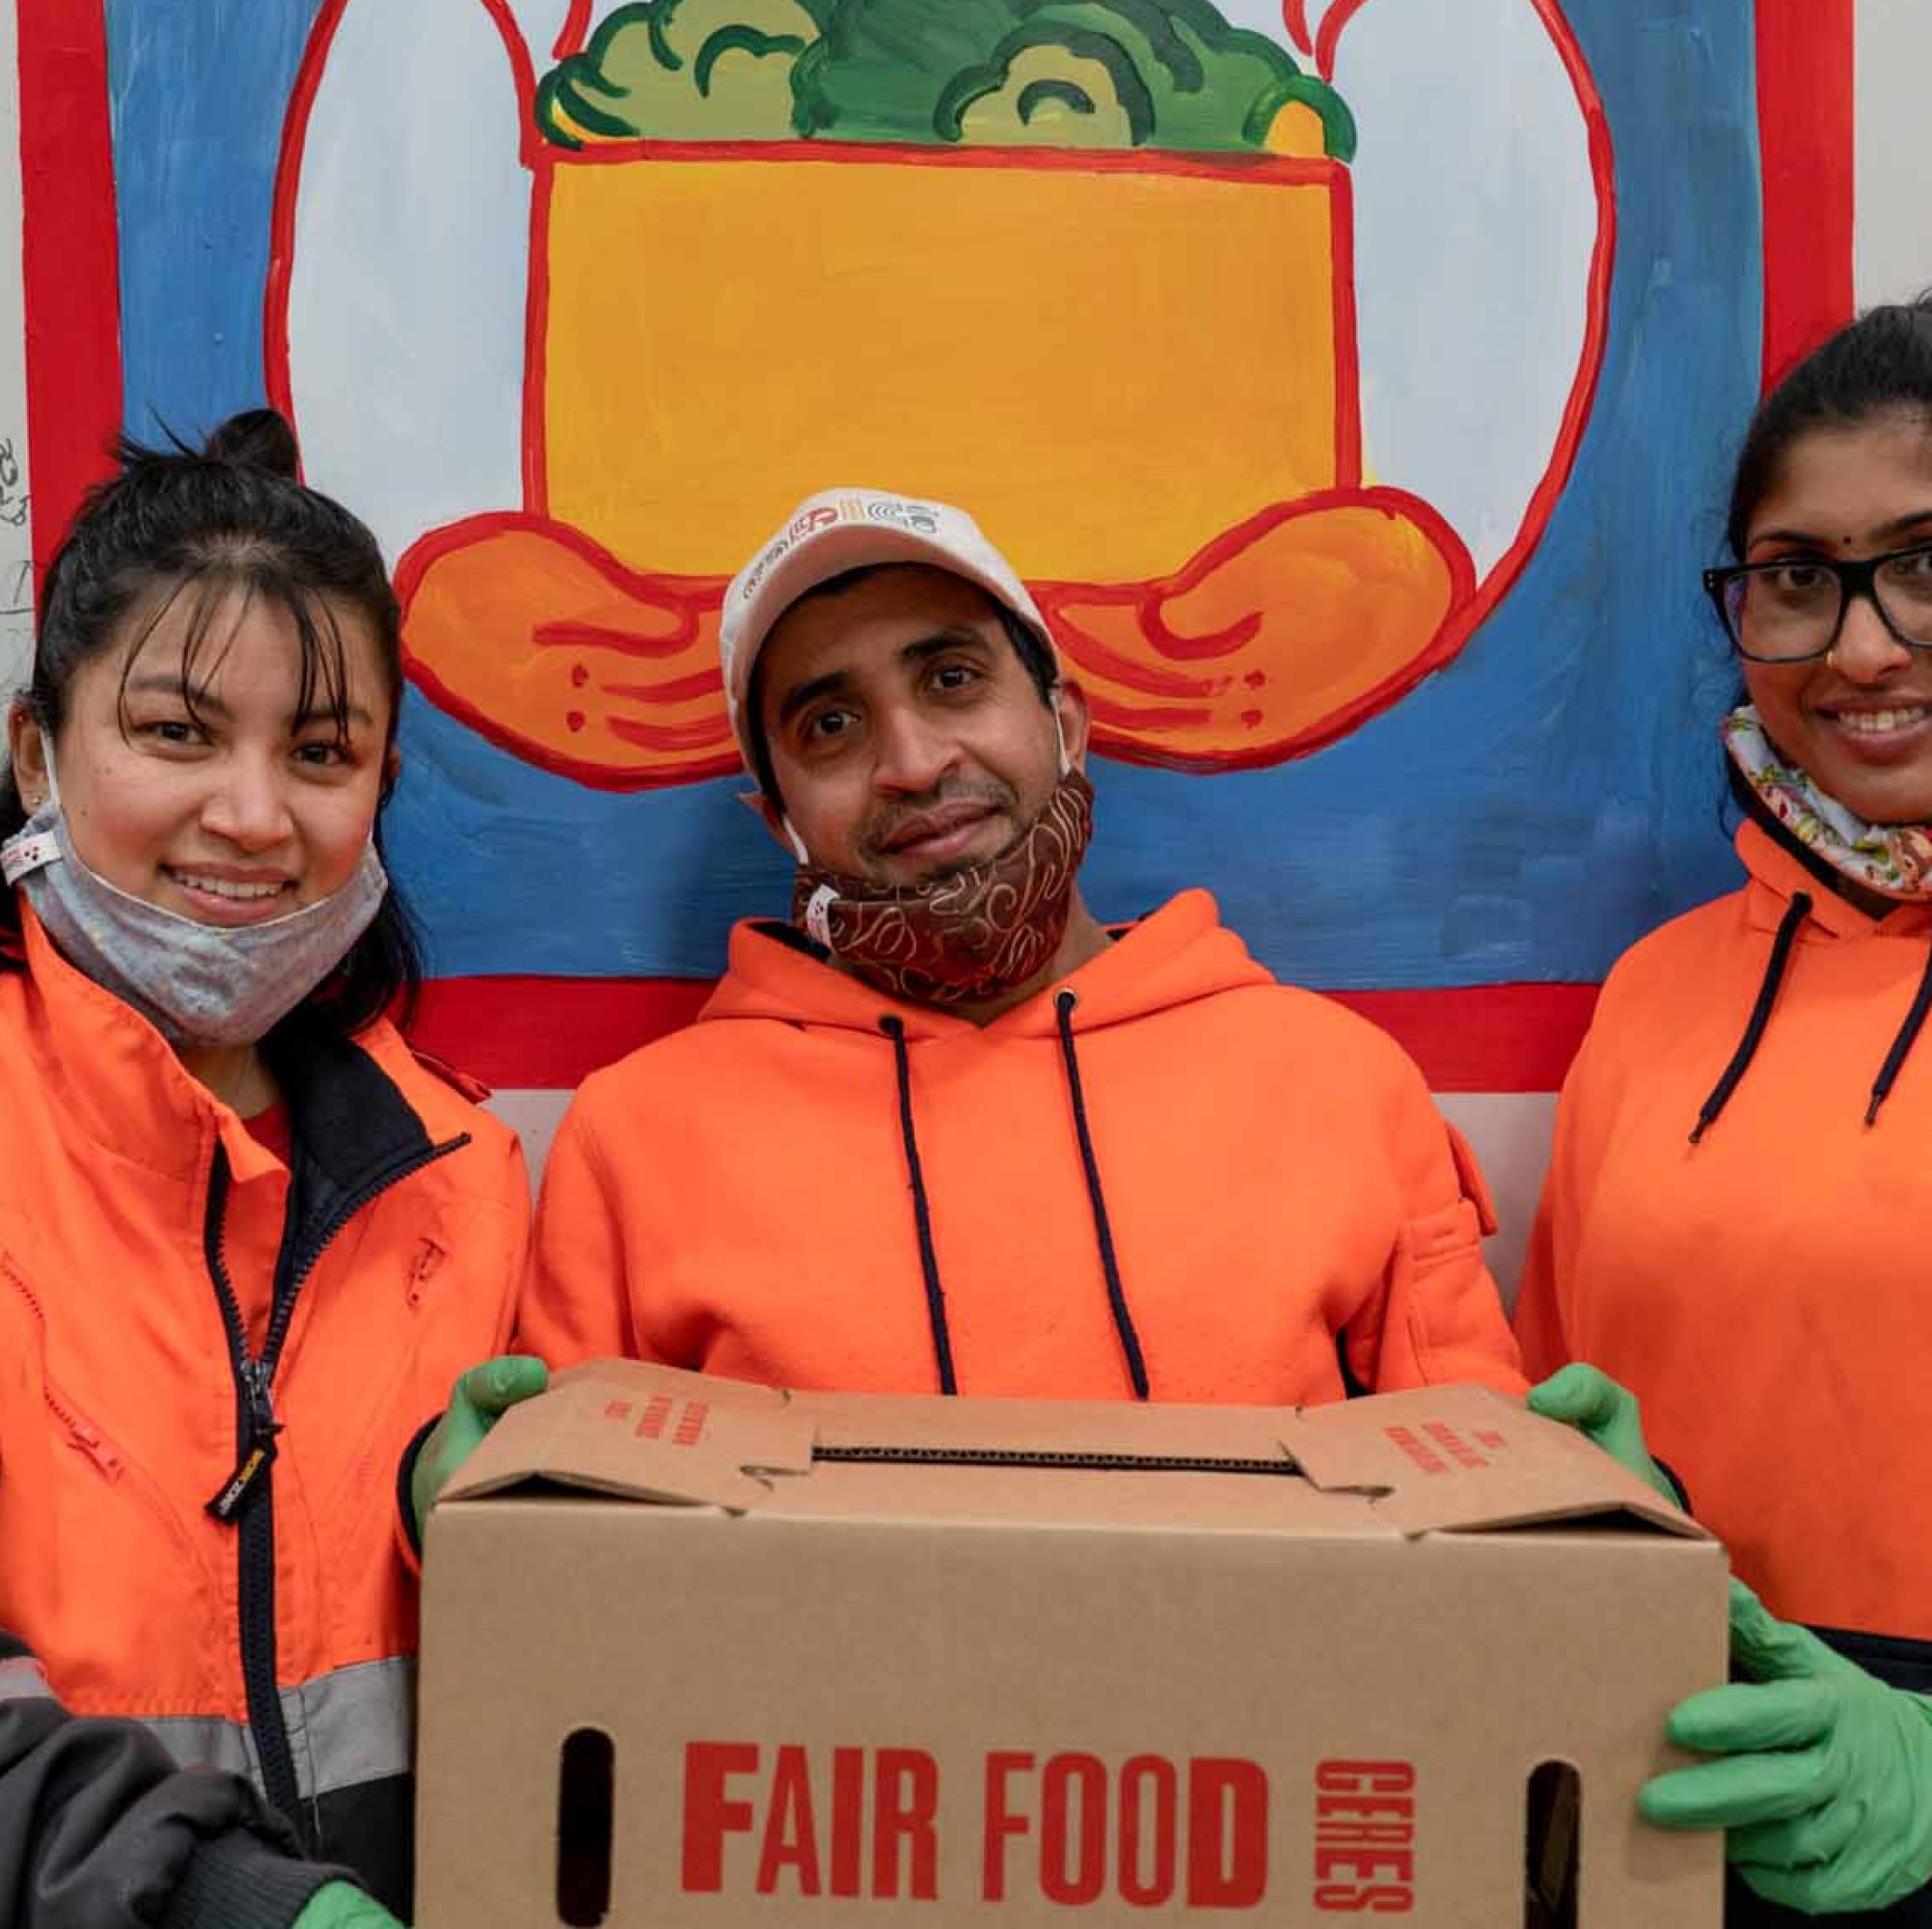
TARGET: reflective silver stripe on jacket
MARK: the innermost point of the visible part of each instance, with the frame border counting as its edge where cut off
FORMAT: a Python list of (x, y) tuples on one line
[(21, 1679), (353, 1726)]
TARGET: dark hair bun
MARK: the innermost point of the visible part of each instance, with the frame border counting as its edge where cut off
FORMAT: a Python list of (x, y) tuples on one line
[(256, 439)]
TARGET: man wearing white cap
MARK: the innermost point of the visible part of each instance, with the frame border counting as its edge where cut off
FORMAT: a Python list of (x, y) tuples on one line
[(945, 1130)]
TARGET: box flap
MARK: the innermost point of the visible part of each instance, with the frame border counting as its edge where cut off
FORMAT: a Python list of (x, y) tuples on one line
[(1451, 1458), (652, 1433), (1463, 1457)]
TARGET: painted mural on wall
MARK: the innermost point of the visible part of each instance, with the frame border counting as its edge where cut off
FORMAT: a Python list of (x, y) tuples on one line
[(1086, 266), (1354, 382)]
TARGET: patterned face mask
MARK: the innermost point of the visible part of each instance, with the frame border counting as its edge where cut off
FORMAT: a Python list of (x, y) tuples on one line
[(965, 938), (1893, 860)]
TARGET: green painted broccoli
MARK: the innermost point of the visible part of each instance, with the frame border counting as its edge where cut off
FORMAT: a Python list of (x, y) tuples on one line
[(1094, 73), (682, 70)]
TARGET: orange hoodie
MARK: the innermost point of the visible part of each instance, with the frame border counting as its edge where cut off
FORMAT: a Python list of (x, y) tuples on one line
[(1763, 1291), (787, 1192), (277, 1641)]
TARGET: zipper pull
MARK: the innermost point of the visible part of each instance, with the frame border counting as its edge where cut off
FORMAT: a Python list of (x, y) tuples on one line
[(88, 1440), (258, 1452)]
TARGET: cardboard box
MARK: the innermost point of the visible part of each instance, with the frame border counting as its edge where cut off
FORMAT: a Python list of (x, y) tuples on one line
[(697, 1652)]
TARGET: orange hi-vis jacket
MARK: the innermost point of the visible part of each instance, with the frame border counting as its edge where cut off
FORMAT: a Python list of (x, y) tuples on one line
[(1167, 1172), (1765, 1290), (204, 1398)]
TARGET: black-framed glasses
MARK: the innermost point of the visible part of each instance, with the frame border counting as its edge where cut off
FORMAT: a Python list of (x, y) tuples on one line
[(1793, 608)]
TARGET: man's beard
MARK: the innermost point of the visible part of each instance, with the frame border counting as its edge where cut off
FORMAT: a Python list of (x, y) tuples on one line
[(968, 934)]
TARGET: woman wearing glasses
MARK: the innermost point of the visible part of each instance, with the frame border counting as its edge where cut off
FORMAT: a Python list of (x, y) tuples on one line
[(1735, 1222)]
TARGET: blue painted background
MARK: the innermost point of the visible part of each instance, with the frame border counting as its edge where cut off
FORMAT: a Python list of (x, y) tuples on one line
[(1523, 815)]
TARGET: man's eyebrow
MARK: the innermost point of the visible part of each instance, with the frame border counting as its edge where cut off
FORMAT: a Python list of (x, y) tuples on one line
[(942, 640), (810, 691), (834, 681)]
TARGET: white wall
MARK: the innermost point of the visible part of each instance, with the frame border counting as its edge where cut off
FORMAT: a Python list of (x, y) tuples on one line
[(1893, 257)]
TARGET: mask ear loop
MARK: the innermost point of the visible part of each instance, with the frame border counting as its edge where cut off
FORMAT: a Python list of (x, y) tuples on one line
[(797, 842), (47, 758), (30, 849)]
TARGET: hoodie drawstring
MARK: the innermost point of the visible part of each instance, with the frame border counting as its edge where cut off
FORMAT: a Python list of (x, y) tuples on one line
[(1907, 1036), (922, 1214), (1760, 1014), (1799, 910), (1129, 1341), (894, 1028)]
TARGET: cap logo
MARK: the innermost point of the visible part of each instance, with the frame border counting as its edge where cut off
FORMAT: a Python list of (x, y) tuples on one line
[(919, 517), (774, 550), (896, 511), (820, 517)]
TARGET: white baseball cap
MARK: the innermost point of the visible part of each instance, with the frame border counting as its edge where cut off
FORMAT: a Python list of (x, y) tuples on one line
[(838, 530)]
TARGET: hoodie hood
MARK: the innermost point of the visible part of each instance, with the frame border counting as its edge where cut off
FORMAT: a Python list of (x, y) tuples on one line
[(1180, 953), (1779, 869), (1178, 956), (1792, 894)]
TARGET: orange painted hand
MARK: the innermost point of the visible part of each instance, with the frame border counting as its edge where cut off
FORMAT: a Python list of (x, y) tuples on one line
[(1275, 639), (546, 645)]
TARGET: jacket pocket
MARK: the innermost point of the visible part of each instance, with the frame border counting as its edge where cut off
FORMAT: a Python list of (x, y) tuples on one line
[(425, 1264), (90, 1440)]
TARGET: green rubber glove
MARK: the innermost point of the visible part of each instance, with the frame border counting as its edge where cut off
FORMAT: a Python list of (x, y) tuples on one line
[(1606, 1415), (342, 1905), (478, 1401), (1824, 1777)]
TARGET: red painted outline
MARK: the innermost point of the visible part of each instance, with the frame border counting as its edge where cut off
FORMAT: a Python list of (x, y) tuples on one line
[(1295, 16), (1337, 18), (1464, 622), (1348, 345), (648, 586), (1271, 170), (70, 262), (575, 30), (1807, 57), (547, 1034), (276, 378), (535, 340)]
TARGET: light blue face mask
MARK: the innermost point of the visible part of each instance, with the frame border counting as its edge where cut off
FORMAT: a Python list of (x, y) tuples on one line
[(199, 985)]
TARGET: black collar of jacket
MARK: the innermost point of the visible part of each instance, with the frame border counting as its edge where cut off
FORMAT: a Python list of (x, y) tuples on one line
[(352, 1131)]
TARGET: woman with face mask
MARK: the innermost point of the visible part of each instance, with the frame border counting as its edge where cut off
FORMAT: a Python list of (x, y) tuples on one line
[(1733, 1226), (247, 1237)]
